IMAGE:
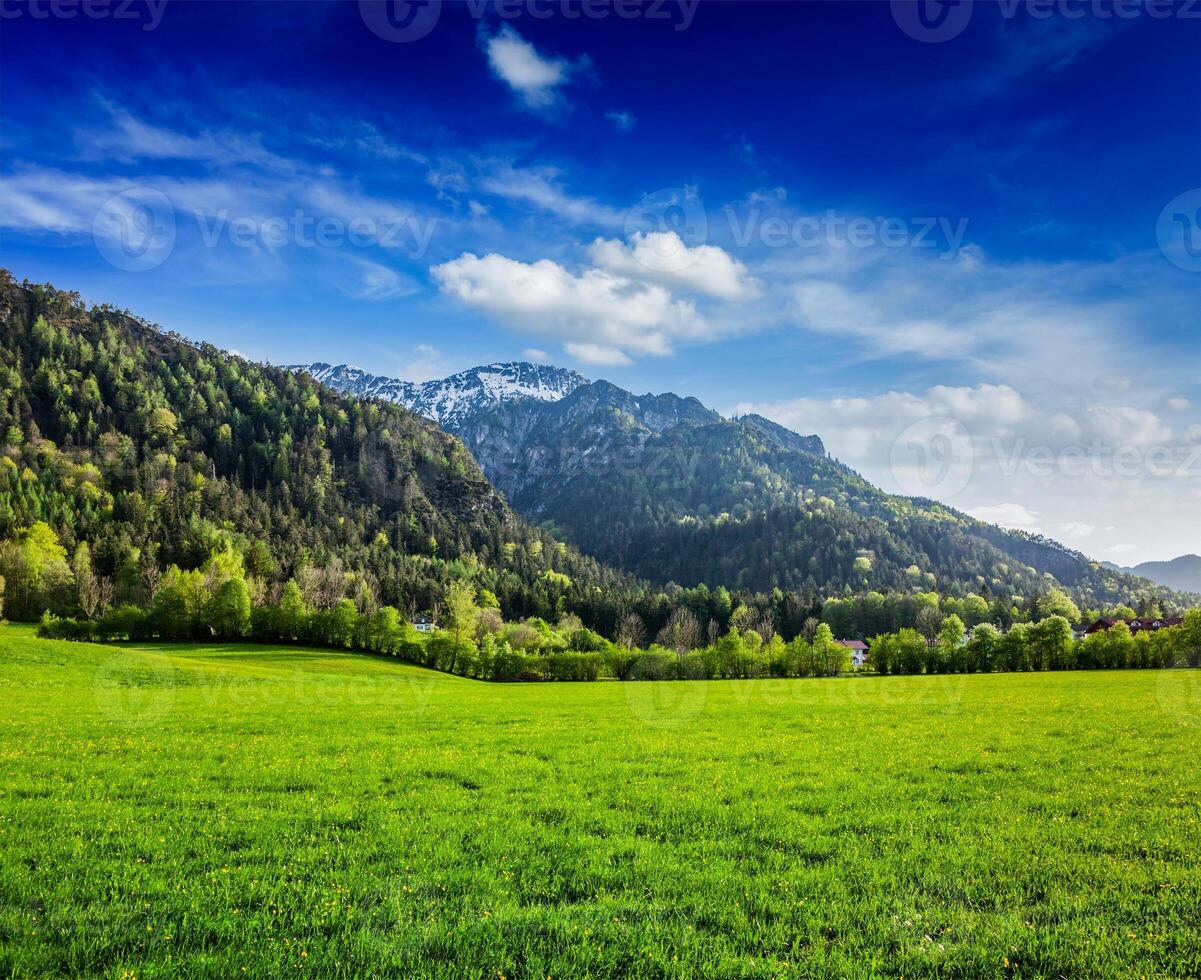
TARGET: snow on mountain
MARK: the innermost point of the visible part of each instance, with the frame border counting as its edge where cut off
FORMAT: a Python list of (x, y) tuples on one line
[(451, 401)]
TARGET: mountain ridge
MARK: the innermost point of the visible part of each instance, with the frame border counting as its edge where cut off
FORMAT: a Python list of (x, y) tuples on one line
[(449, 401), (668, 489), (1182, 573)]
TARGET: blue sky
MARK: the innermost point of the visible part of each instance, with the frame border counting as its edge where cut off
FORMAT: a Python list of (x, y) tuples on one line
[(798, 208)]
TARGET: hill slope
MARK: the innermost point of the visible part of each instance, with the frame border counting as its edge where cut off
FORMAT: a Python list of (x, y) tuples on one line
[(670, 490), (158, 451)]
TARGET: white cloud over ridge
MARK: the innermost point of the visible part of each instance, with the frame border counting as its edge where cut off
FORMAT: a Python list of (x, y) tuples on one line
[(1012, 515), (664, 258), (1090, 467), (605, 318)]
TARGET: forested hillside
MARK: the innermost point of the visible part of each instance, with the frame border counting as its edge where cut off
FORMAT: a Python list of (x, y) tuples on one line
[(133, 457), (669, 490), (158, 452)]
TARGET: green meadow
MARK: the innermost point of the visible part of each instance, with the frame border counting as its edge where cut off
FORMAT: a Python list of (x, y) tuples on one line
[(227, 809)]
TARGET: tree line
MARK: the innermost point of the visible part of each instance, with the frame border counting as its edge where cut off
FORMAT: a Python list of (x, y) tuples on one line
[(1049, 644), (215, 603), (221, 601)]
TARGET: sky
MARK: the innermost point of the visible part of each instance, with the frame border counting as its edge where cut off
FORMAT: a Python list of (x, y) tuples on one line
[(961, 242)]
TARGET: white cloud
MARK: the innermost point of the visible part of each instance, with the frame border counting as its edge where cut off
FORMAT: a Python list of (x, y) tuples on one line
[(829, 307), (596, 354), (427, 364), (985, 410), (664, 258), (605, 316), (1179, 404), (1115, 382), (377, 282), (48, 200), (1124, 426), (129, 138), (1064, 326), (535, 78), (1120, 549), (1089, 472), (535, 354), (623, 120), (1008, 515), (540, 187)]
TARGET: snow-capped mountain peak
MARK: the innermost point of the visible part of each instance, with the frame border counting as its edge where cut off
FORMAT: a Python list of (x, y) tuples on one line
[(451, 401)]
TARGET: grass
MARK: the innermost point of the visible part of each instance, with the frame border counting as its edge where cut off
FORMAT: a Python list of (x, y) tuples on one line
[(219, 810)]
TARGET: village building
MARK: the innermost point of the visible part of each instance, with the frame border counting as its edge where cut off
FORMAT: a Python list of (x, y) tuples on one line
[(1141, 624), (859, 652)]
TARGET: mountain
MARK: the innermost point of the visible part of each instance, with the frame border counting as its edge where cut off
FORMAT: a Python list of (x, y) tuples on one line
[(1182, 574), (157, 451), (452, 401), (669, 490)]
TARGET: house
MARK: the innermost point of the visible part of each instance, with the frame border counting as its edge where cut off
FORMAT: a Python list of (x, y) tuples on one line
[(424, 624), (1145, 623), (859, 654)]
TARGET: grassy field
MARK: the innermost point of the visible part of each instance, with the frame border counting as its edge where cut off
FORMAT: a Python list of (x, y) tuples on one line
[(214, 810)]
